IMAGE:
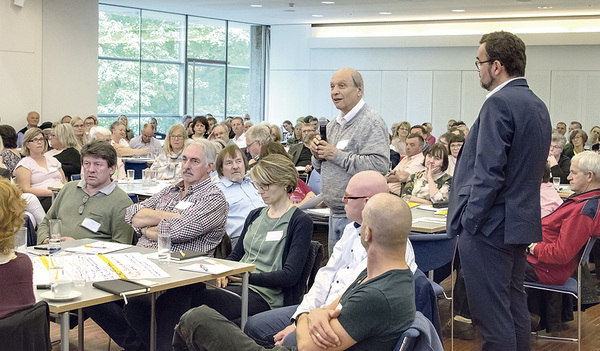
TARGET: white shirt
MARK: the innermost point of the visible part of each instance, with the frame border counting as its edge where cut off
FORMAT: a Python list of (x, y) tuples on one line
[(496, 89), (348, 259), (343, 119), (241, 141)]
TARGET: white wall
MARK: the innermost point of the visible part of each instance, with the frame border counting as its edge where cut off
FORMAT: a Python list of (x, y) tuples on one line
[(48, 59), (420, 84)]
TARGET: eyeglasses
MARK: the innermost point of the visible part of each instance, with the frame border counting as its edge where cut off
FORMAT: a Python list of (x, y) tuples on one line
[(262, 187), (86, 123), (37, 140), (176, 136), (348, 197), (479, 63), (252, 143), (82, 207), (556, 147), (456, 146)]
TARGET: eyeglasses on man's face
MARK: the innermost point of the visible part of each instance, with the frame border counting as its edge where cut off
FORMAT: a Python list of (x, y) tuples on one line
[(479, 63), (347, 197)]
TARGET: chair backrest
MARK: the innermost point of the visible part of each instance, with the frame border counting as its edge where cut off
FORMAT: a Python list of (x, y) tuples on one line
[(426, 300), (434, 251), (75, 176), (587, 249), (224, 248), (27, 330), (307, 278), (419, 336), (31, 232)]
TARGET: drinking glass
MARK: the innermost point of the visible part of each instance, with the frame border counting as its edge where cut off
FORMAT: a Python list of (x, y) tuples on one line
[(54, 235), (79, 269), (130, 175), (556, 182), (164, 247), (21, 240)]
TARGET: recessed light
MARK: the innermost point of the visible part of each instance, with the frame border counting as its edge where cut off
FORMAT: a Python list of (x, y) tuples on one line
[(385, 13), (317, 15), (256, 5), (544, 7), (458, 10), (328, 2)]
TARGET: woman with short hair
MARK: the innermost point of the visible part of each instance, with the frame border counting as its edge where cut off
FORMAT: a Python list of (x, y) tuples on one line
[(560, 164), (455, 143), (65, 149), (577, 138), (168, 163), (36, 172), (10, 155), (16, 270), (399, 138), (200, 127), (431, 185)]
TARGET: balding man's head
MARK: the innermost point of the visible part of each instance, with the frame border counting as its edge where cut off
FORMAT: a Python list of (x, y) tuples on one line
[(361, 187), (386, 223), (33, 119)]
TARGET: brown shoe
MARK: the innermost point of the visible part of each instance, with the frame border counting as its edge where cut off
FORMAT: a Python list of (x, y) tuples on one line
[(462, 330)]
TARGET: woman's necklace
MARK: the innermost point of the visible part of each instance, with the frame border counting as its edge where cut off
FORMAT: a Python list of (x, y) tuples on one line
[(259, 226)]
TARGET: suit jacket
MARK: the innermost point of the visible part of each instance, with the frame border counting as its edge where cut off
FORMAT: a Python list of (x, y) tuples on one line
[(295, 151), (496, 183)]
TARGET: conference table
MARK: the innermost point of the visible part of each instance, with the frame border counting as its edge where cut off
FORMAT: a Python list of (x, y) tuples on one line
[(91, 296)]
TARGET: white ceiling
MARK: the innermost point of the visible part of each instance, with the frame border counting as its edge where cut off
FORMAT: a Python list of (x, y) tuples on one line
[(349, 11)]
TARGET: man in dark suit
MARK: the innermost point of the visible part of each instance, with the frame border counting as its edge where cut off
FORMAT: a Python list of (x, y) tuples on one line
[(301, 155), (494, 203)]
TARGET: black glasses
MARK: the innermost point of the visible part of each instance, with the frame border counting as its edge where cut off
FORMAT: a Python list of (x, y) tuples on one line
[(479, 63), (263, 187), (82, 207), (348, 197), (37, 140)]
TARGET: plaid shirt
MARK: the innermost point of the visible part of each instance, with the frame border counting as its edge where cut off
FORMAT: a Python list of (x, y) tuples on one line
[(199, 227)]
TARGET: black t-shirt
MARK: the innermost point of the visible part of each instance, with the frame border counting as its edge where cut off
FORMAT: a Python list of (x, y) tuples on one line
[(377, 312), (305, 157)]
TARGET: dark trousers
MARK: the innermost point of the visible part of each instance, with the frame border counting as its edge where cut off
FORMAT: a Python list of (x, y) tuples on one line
[(203, 328), (110, 318), (493, 273)]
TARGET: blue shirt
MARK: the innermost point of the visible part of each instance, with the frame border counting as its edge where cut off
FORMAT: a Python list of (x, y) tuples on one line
[(242, 199)]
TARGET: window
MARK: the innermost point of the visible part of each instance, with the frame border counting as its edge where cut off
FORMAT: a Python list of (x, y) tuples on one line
[(147, 68)]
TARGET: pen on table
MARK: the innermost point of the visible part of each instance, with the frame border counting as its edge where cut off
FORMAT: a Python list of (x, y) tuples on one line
[(203, 268), (182, 253), (37, 253)]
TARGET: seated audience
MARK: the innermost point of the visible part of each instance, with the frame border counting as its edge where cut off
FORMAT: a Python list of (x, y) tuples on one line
[(297, 136), (37, 172), (221, 132), (410, 164), (288, 130), (549, 198), (93, 207), (301, 155), (16, 270), (66, 119), (561, 128), (65, 148), (158, 135), (88, 123), (101, 133), (212, 122), (276, 134), (80, 130), (239, 135), (193, 212), (577, 138), (431, 185), (247, 126), (275, 239), (117, 140), (238, 189), (349, 258), (10, 155), (462, 127), (147, 140), (255, 138), (420, 130), (128, 132), (449, 125), (559, 162), (399, 138), (427, 136), (168, 163), (383, 291), (455, 143), (594, 138), (302, 193), (200, 127)]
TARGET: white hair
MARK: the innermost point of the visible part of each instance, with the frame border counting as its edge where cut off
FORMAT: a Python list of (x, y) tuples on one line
[(98, 129), (588, 161), (210, 151)]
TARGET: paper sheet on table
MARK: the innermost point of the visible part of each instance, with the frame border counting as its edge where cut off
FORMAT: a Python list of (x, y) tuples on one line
[(151, 190), (413, 204), (98, 247), (319, 211), (207, 266), (435, 220), (154, 256), (101, 267)]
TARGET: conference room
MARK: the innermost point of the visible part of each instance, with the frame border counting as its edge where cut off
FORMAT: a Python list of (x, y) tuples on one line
[(274, 61)]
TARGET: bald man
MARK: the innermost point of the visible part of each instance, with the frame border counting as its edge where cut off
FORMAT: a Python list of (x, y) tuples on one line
[(384, 288), (357, 140), (33, 118), (349, 258)]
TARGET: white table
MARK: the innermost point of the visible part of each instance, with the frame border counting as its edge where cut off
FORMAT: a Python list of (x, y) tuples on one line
[(92, 296)]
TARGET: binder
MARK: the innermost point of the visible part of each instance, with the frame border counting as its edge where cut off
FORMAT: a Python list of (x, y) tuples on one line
[(121, 287)]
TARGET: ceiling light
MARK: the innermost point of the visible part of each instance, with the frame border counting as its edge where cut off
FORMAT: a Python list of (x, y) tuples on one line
[(317, 15), (256, 5), (385, 13), (328, 2), (458, 10)]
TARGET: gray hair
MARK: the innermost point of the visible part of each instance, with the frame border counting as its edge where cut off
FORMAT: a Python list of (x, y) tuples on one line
[(589, 161), (260, 133), (98, 129), (560, 139), (210, 151)]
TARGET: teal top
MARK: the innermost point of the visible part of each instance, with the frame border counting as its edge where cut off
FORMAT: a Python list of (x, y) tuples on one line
[(264, 244)]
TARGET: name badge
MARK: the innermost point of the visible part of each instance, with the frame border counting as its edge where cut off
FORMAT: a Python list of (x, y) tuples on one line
[(342, 144), (52, 169), (274, 235), (90, 224), (182, 205), (339, 306)]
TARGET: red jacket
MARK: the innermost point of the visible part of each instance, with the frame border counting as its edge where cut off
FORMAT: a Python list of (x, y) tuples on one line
[(565, 232)]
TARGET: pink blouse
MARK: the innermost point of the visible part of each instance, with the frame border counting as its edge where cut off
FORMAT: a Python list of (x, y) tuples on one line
[(42, 178), (549, 199)]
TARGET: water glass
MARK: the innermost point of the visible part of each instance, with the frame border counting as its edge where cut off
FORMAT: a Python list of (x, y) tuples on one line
[(146, 180), (164, 247), (130, 175), (54, 235), (556, 182), (21, 240), (79, 269), (56, 268)]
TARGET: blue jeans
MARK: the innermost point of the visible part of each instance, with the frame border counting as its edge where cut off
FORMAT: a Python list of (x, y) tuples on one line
[(263, 326), (337, 223)]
